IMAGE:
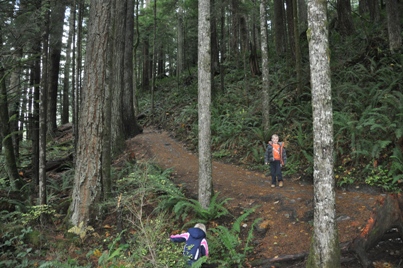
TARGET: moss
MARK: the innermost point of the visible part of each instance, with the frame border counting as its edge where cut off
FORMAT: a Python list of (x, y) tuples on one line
[(334, 260)]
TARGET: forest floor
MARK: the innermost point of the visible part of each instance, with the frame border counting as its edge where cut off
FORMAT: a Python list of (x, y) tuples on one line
[(287, 211)]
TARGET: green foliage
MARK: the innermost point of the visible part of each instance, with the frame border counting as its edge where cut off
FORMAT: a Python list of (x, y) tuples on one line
[(184, 207), (81, 230), (344, 176), (227, 243), (396, 168), (34, 212), (115, 252), (379, 177), (69, 263), (15, 247)]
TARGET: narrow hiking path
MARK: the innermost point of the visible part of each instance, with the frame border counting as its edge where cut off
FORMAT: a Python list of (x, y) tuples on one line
[(287, 211)]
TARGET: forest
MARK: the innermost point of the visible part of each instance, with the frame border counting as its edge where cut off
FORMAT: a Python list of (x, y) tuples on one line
[(81, 79)]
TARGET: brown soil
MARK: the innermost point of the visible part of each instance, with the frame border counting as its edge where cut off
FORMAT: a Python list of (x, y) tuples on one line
[(288, 211)]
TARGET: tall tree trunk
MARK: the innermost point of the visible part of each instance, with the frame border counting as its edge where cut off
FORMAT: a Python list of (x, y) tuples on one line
[(363, 6), (55, 47), (146, 66), (298, 67), (302, 16), (78, 66), (374, 10), (180, 62), (43, 110), (223, 50), (290, 28), (73, 79), (394, 29), (279, 29), (130, 125), (88, 175), (234, 42), (36, 50), (107, 122), (204, 99), (135, 76), (345, 21), (154, 59), (325, 249), (5, 135), (14, 104), (253, 43), (265, 68), (119, 32), (214, 42), (66, 79)]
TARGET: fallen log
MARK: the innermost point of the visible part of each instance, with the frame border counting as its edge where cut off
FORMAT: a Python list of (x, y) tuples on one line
[(59, 164), (386, 215)]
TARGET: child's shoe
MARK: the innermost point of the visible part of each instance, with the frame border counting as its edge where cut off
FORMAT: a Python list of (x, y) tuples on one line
[(273, 185), (280, 184)]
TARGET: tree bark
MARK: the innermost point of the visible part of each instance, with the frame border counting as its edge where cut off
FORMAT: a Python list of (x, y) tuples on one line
[(325, 250), (279, 27), (117, 75), (88, 175), (130, 126), (11, 164), (290, 28), (204, 99), (302, 16), (394, 29), (234, 42), (67, 70), (374, 12), (43, 109), (55, 47), (265, 68), (344, 19), (180, 61), (298, 64)]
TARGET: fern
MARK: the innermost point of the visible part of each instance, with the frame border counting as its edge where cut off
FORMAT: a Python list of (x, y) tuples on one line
[(228, 244)]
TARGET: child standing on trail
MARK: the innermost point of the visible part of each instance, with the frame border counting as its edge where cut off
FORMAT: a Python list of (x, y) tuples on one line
[(195, 243), (277, 157)]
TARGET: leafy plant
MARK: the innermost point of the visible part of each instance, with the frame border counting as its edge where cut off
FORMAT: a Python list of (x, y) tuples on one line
[(81, 230), (379, 177), (185, 207), (228, 244), (114, 253), (34, 212), (15, 250)]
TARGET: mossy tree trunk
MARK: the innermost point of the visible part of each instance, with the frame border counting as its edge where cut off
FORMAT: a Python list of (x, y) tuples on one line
[(204, 98), (325, 250), (265, 68)]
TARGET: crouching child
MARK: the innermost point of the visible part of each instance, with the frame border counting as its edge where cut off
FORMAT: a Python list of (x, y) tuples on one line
[(195, 243)]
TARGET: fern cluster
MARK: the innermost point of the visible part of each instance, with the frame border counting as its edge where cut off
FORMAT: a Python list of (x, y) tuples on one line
[(227, 243)]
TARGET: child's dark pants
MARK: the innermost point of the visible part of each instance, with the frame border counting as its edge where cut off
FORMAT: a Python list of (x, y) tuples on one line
[(275, 171)]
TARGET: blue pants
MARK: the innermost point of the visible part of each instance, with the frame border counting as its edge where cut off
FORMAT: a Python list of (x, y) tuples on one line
[(275, 171)]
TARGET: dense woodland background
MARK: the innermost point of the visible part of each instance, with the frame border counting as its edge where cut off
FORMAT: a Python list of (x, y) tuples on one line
[(149, 51)]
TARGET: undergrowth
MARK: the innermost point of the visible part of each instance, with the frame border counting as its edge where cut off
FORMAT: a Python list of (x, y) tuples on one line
[(147, 206)]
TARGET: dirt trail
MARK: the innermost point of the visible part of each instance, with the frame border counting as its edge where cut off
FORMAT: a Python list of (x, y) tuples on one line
[(288, 210)]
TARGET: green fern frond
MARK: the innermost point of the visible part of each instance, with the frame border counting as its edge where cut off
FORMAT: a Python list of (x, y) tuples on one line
[(250, 236), (227, 239), (236, 227)]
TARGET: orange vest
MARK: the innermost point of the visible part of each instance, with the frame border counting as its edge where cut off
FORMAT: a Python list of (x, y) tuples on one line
[(277, 151)]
